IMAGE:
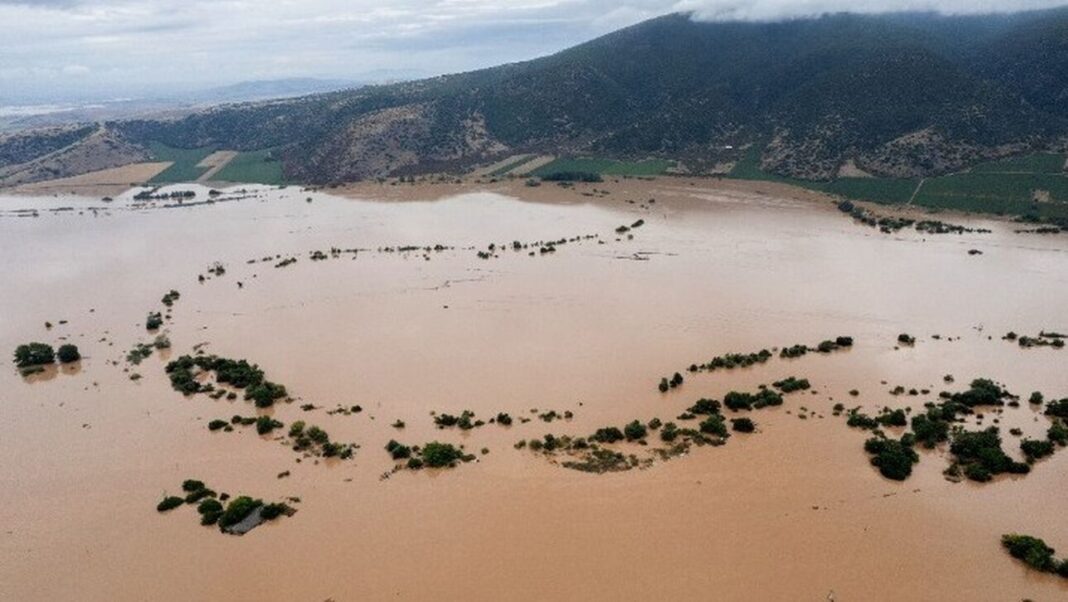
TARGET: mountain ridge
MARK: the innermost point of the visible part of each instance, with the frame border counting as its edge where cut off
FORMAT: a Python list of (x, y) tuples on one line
[(897, 95)]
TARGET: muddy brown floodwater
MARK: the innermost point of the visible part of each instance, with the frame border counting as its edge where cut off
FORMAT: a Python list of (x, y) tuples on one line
[(792, 512)]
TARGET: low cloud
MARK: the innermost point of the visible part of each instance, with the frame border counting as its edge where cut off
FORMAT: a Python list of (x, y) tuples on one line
[(770, 10)]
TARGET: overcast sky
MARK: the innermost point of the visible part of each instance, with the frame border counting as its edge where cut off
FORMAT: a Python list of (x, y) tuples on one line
[(127, 47)]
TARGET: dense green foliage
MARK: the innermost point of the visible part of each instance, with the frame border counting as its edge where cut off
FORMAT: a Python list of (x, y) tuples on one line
[(237, 510), (894, 459), (1031, 550), (68, 353), (34, 354), (169, 503), (980, 455), (635, 430), (736, 400), (743, 425), (439, 455), (236, 373)]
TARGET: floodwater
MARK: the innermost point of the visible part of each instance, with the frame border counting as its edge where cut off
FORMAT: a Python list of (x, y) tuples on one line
[(792, 512)]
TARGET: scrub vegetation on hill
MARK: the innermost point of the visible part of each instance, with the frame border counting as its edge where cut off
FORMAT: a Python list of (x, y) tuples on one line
[(899, 96)]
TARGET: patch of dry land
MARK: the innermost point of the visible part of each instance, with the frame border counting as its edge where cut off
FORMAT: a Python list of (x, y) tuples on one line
[(416, 301), (103, 182)]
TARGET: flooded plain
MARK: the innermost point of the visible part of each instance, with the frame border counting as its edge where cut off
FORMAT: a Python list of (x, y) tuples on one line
[(793, 511)]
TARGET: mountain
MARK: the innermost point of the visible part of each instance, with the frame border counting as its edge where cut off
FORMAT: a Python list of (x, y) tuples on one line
[(901, 95)]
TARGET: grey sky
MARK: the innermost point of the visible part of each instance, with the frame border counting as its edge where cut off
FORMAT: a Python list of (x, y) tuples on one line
[(126, 48)]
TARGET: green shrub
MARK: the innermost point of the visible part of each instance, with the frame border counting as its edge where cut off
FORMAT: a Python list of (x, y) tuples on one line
[(265, 393), (736, 401), (983, 392), (190, 485), (153, 321), (266, 424), (217, 424), (1057, 433), (634, 431), (572, 176), (1035, 449), (791, 384), (397, 450), (669, 433), (742, 425), (195, 496), (436, 454), (34, 354), (714, 425), (858, 419), (170, 298), (237, 510), (705, 407), (1031, 550), (209, 505), (273, 511), (890, 417), (894, 459), (980, 453), (608, 434), (317, 435), (169, 503), (930, 430), (68, 353), (1058, 408)]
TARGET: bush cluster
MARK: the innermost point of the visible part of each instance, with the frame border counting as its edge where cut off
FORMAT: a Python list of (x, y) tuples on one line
[(893, 458), (1034, 553), (34, 354), (736, 400)]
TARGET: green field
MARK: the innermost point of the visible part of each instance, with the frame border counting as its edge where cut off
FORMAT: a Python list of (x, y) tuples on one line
[(254, 167), (1005, 187), (748, 168), (1002, 193), (888, 191), (1036, 163), (876, 190), (184, 167), (607, 167)]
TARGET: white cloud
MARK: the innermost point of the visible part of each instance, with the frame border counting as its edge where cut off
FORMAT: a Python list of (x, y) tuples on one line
[(75, 70), (784, 9)]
